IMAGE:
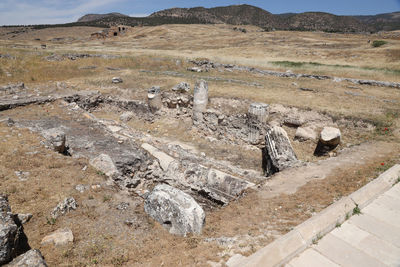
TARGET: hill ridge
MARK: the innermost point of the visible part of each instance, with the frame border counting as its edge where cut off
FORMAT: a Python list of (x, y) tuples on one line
[(250, 15)]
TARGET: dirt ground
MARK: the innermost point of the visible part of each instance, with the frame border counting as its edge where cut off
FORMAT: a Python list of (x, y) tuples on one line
[(368, 117)]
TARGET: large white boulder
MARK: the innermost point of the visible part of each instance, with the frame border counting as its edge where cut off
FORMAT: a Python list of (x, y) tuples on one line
[(175, 210)]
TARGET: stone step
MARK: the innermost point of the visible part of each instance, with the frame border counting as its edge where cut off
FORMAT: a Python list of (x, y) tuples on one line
[(368, 243), (344, 254), (311, 258), (377, 227), (381, 212)]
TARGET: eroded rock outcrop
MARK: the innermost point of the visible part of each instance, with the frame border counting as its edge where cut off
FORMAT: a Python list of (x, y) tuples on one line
[(175, 210)]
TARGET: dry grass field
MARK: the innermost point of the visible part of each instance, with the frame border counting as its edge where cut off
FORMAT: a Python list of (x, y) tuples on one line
[(368, 117)]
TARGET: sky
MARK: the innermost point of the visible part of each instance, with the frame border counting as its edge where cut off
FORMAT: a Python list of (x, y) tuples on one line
[(26, 12)]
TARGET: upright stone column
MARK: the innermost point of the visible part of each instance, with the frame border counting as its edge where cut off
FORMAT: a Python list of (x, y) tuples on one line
[(200, 100), (256, 117), (154, 98)]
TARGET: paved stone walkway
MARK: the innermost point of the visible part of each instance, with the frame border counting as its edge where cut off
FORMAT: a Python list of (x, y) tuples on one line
[(369, 239)]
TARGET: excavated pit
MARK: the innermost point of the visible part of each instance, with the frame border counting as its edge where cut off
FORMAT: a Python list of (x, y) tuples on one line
[(141, 158)]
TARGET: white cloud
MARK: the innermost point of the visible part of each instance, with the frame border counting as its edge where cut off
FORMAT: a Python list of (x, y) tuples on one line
[(49, 11)]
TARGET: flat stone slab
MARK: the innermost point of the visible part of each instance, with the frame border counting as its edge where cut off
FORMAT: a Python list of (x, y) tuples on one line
[(377, 227), (389, 202), (344, 254), (164, 159), (394, 192), (383, 213), (368, 243), (311, 258)]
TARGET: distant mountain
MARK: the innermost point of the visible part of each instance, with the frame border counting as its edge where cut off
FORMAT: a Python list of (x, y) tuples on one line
[(94, 17), (319, 21), (385, 22), (236, 15), (247, 15)]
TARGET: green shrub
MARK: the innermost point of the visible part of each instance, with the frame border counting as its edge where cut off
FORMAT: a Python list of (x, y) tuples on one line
[(378, 43)]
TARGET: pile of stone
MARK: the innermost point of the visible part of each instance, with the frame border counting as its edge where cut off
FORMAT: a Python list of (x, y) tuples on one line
[(64, 207), (71, 56), (182, 87)]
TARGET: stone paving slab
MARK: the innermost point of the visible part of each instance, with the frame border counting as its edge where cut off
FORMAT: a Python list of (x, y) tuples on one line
[(394, 192), (382, 212), (389, 202), (377, 227), (311, 258), (368, 243), (344, 254)]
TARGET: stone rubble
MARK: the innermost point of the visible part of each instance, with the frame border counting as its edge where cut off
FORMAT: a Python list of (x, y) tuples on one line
[(64, 207), (182, 87), (127, 116), (206, 65)]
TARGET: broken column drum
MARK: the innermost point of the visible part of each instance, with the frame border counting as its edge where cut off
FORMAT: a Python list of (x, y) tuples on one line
[(278, 153), (256, 117), (200, 99), (154, 98)]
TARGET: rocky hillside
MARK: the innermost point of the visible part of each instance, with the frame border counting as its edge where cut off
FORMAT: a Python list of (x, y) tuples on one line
[(94, 17), (319, 21), (386, 21), (249, 15), (236, 14), (246, 14)]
